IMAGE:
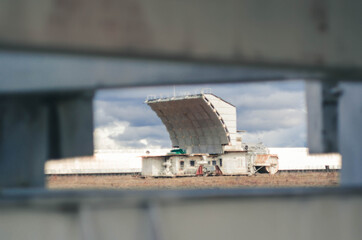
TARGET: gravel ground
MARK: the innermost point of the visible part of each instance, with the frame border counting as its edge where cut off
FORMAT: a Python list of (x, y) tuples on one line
[(282, 179)]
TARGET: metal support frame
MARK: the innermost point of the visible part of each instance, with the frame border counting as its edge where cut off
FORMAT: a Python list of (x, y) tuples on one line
[(256, 170)]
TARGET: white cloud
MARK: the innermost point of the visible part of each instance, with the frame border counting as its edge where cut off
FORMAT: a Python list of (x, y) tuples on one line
[(275, 100), (286, 137), (104, 137), (266, 119), (122, 135), (144, 141)]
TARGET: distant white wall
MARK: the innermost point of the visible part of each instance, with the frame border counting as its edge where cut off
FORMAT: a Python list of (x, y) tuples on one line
[(299, 159), (129, 160), (103, 161)]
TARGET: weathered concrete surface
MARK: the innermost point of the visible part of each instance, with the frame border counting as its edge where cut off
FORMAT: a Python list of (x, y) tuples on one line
[(283, 214), (322, 34), (322, 103), (350, 132), (23, 142), (34, 129)]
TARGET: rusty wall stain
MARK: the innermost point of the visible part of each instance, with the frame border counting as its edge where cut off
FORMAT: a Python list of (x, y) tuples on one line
[(121, 23), (319, 14)]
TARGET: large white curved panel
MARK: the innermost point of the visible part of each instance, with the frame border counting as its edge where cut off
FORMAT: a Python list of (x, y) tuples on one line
[(194, 123)]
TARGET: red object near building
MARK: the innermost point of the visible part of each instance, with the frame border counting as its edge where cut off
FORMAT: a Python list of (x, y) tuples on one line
[(199, 171)]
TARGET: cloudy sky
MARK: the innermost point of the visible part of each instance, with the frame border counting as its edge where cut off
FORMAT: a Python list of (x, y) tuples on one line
[(271, 112)]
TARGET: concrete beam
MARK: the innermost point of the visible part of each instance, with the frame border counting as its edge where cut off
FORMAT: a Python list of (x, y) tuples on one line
[(315, 35)]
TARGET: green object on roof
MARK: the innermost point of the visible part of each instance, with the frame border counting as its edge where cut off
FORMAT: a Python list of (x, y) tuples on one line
[(178, 151)]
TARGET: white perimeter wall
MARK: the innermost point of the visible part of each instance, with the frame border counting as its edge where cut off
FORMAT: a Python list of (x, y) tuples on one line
[(129, 160), (299, 159), (103, 161)]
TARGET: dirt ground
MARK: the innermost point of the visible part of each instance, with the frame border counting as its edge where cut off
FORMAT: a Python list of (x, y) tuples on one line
[(282, 179)]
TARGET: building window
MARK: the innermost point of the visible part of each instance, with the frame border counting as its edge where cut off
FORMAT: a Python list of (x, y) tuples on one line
[(182, 165), (220, 162), (213, 163), (208, 162), (192, 163)]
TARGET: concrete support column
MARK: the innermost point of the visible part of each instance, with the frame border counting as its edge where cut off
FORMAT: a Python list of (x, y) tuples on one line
[(335, 124), (71, 125), (350, 132), (23, 141), (35, 128), (322, 104)]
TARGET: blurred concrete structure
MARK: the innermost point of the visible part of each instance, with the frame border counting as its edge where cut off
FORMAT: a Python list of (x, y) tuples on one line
[(298, 214), (50, 115)]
